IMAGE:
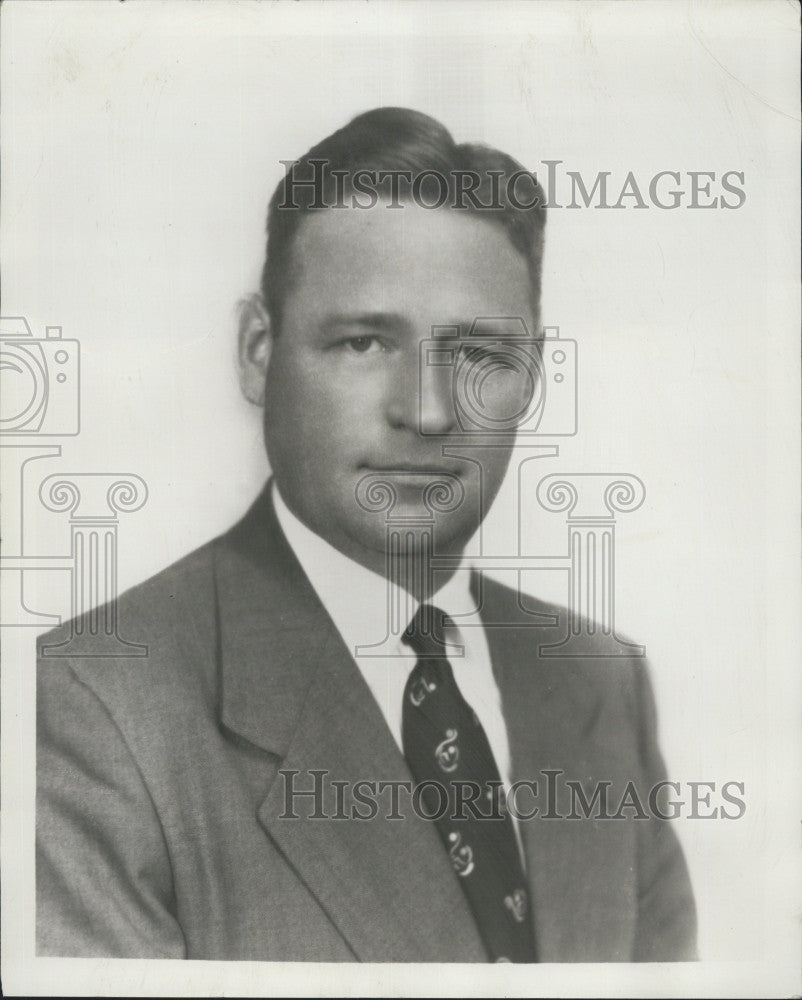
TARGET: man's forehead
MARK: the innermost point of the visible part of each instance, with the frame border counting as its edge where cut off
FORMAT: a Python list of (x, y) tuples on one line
[(400, 226), (385, 260)]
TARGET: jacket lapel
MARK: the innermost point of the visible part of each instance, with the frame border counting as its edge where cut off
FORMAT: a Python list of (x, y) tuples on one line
[(580, 870), (290, 686)]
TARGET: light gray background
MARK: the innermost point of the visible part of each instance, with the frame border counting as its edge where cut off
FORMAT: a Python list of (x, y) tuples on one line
[(140, 146)]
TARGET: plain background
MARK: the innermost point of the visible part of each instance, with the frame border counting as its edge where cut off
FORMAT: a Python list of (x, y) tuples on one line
[(141, 143)]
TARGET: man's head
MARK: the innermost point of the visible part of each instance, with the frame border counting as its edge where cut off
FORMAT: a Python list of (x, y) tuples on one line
[(332, 348)]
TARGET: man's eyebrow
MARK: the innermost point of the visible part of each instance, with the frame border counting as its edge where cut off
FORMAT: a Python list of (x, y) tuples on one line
[(370, 320), (388, 322)]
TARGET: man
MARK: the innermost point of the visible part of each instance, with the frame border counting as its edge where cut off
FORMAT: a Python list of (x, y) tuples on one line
[(237, 794)]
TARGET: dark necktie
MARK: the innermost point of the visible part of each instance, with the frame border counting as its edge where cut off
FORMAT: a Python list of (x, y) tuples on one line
[(446, 747)]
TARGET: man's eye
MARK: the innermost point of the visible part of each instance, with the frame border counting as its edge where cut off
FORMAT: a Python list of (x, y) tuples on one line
[(361, 345)]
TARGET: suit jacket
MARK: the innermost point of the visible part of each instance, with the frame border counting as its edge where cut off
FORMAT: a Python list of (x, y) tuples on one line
[(161, 812)]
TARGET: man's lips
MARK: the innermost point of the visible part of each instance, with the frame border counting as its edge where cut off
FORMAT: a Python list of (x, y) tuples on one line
[(382, 484), (409, 469)]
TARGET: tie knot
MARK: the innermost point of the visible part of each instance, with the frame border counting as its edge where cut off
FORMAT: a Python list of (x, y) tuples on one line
[(425, 633)]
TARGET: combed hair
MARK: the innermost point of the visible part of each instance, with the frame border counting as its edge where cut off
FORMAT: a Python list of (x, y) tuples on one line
[(395, 139)]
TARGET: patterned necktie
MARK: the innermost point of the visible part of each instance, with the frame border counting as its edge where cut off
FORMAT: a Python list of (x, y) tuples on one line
[(446, 748)]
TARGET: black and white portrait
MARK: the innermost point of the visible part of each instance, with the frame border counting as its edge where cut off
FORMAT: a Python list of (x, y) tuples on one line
[(398, 472)]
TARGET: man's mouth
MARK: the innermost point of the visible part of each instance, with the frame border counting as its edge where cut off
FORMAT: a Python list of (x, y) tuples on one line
[(407, 469), (437, 488)]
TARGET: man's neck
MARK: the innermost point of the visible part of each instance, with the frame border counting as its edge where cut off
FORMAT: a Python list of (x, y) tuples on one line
[(409, 565)]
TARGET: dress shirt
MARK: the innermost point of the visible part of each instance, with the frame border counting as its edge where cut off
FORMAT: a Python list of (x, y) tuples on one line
[(357, 601)]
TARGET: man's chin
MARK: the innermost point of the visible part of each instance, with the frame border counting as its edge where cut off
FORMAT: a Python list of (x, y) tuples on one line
[(411, 533)]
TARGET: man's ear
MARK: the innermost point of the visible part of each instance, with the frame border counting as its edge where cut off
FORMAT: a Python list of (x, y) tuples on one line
[(255, 342)]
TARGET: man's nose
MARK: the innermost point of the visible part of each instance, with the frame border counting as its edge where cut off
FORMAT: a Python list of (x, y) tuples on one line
[(423, 398)]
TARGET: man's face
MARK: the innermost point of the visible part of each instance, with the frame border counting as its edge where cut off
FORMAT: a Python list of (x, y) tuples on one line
[(346, 395)]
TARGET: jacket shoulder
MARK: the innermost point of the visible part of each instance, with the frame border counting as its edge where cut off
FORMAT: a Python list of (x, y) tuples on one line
[(165, 603), (596, 661)]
